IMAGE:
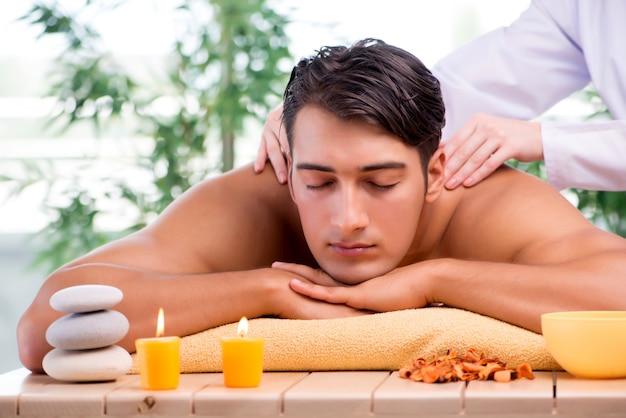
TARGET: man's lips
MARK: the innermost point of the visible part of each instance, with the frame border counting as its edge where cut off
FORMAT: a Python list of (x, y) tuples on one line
[(350, 249)]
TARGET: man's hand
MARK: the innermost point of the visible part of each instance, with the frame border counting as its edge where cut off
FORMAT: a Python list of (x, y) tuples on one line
[(315, 276), (273, 145), (292, 305), (394, 291), (484, 143)]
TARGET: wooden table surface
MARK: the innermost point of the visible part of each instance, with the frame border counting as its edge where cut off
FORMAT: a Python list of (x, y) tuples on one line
[(319, 394)]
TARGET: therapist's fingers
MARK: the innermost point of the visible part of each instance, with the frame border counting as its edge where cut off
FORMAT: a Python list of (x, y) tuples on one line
[(484, 143), (270, 149), (459, 147), (278, 158), (524, 145), (466, 158), (470, 152), (274, 146), (481, 160), (489, 164), (261, 157)]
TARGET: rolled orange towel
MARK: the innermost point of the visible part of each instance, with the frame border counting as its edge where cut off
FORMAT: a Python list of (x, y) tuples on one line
[(382, 341)]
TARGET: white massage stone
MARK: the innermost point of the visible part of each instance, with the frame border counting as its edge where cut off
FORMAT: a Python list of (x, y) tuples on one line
[(80, 331), (98, 365), (86, 298)]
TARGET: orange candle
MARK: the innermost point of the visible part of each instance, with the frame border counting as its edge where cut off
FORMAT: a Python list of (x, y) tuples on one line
[(242, 359), (159, 359)]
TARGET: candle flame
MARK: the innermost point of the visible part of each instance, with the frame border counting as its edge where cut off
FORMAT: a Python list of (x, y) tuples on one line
[(242, 328), (160, 324)]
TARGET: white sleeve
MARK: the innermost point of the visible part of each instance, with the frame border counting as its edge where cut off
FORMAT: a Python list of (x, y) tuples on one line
[(585, 155), (518, 71), (522, 70)]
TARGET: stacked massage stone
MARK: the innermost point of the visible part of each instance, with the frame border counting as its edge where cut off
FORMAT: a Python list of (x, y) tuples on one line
[(84, 339)]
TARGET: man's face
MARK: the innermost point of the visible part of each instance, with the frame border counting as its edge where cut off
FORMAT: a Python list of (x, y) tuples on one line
[(359, 191)]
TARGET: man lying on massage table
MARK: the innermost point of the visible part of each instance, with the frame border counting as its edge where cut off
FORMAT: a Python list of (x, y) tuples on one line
[(364, 224)]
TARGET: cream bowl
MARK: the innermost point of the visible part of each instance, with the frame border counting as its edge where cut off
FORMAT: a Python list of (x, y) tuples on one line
[(587, 344)]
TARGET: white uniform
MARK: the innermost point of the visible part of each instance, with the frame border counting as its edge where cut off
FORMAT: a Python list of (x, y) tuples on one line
[(553, 49)]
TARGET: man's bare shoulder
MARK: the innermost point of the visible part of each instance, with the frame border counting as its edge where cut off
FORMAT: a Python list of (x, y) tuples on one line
[(233, 221), (515, 217), (240, 184)]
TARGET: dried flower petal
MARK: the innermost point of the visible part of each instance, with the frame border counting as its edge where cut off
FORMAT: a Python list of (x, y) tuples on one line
[(471, 366), (524, 370), (502, 376)]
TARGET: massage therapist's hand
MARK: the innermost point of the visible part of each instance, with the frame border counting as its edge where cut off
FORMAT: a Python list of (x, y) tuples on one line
[(484, 143), (273, 145), (393, 291)]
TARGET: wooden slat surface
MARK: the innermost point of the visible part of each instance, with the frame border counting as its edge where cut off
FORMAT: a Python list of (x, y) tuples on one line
[(131, 399), (302, 394), (326, 394), (522, 396), (398, 396), (585, 397), (14, 383), (67, 399), (266, 400)]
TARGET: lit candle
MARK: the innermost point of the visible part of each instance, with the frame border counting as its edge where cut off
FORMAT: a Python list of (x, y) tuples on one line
[(159, 359), (242, 358)]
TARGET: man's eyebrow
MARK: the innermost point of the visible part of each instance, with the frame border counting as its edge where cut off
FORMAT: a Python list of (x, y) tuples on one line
[(372, 167), (384, 166), (314, 167)]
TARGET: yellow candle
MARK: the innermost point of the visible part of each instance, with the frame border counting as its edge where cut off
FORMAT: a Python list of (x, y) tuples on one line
[(159, 359), (242, 359)]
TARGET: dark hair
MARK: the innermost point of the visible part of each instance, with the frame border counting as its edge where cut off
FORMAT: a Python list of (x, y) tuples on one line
[(374, 82)]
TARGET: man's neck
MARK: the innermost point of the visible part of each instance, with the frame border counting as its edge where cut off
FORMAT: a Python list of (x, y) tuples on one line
[(431, 235)]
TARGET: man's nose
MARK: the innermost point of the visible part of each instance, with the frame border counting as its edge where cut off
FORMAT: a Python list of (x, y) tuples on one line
[(350, 213)]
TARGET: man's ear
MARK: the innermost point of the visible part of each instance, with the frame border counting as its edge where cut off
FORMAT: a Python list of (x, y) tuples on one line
[(435, 175), (289, 168)]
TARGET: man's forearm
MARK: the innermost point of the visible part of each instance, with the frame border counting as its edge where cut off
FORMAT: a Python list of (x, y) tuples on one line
[(519, 294), (191, 302)]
